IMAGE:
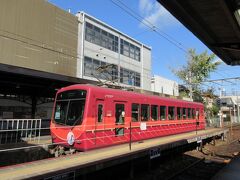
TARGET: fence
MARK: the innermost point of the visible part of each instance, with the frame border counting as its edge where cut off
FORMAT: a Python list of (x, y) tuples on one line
[(19, 130), (215, 122)]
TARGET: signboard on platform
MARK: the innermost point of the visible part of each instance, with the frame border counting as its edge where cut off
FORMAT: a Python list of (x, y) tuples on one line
[(154, 153)]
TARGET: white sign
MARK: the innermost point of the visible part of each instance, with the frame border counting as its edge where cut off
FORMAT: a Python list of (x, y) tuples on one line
[(224, 116), (155, 153), (70, 138), (143, 126), (199, 139)]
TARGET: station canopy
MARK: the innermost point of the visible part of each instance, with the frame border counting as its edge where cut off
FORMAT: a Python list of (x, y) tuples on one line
[(215, 22)]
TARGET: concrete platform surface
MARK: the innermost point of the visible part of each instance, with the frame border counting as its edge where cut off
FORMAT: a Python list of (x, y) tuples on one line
[(96, 157)]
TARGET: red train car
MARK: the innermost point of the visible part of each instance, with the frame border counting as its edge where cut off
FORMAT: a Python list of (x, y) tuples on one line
[(87, 117)]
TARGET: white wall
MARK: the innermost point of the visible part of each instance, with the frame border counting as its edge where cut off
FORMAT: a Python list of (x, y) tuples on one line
[(86, 48), (146, 68), (165, 86)]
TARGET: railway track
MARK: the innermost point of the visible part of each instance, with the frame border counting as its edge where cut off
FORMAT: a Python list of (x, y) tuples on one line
[(211, 160), (201, 169), (195, 164)]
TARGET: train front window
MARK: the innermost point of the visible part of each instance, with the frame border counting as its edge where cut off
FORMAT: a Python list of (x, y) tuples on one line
[(69, 107), (60, 112), (75, 112)]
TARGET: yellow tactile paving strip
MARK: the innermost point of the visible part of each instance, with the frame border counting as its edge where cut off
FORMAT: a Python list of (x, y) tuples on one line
[(32, 169)]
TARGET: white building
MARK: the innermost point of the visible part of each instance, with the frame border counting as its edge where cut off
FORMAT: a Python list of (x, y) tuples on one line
[(164, 86), (100, 45)]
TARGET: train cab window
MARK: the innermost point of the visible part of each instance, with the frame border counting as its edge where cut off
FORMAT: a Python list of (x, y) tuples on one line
[(184, 113), (75, 112), (179, 113), (61, 112), (162, 112), (189, 114), (154, 112), (171, 113), (144, 112), (69, 108), (135, 112), (119, 113), (100, 113)]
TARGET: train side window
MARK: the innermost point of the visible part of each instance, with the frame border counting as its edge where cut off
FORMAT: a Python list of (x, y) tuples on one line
[(189, 115), (162, 112), (100, 113), (144, 112), (154, 112), (197, 114), (171, 113), (184, 113), (193, 114), (119, 113), (179, 113), (135, 112)]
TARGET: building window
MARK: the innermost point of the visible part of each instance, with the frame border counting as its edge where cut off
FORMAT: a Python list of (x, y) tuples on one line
[(135, 112), (162, 112), (96, 64), (101, 37), (130, 77), (129, 50), (91, 66), (87, 66)]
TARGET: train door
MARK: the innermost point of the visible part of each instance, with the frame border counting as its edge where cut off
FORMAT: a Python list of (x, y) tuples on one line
[(120, 109), (99, 122), (197, 117)]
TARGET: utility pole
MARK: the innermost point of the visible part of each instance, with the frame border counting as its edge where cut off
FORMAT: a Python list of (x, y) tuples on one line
[(231, 121), (220, 110), (238, 120)]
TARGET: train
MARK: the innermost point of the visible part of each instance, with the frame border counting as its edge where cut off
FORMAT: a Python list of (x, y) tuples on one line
[(87, 117)]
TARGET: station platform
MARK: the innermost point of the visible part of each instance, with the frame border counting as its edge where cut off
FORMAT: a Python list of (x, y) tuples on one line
[(93, 160), (230, 171)]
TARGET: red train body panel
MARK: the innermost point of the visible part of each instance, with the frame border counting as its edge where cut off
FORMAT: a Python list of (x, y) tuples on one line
[(87, 117)]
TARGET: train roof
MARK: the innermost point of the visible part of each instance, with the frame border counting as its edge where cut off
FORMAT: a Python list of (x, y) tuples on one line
[(117, 91)]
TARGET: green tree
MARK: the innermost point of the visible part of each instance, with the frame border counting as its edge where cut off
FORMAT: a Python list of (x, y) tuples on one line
[(197, 70)]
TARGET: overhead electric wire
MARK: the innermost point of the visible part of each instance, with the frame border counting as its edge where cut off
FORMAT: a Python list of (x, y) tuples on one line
[(149, 25)]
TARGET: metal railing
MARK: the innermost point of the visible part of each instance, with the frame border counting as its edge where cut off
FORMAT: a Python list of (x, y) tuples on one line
[(215, 122), (19, 130)]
